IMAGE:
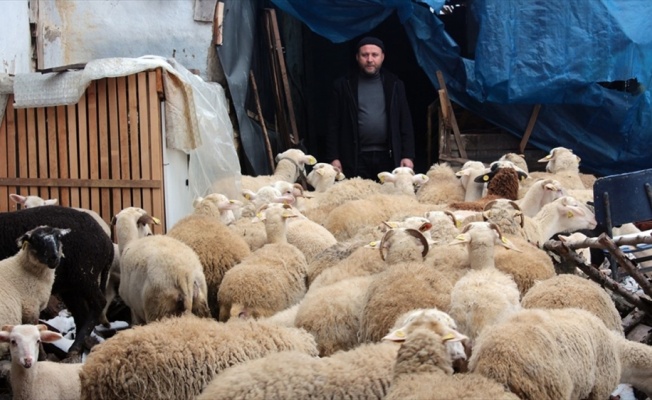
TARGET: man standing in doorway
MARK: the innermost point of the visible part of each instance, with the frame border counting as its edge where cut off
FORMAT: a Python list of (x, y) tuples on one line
[(369, 121)]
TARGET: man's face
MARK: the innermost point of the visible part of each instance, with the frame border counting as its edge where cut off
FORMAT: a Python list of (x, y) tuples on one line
[(370, 58)]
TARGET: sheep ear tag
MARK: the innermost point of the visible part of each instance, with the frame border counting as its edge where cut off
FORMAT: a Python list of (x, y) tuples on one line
[(458, 224), (570, 214), (396, 336), (156, 221), (485, 178), (448, 337), (312, 160), (373, 245)]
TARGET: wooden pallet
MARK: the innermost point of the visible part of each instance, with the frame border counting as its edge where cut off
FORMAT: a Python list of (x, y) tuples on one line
[(103, 153)]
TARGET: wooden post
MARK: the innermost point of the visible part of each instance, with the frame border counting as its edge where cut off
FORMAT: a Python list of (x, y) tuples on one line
[(453, 121), (259, 109), (530, 127)]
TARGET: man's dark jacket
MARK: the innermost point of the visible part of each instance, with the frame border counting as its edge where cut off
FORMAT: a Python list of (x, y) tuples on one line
[(343, 142)]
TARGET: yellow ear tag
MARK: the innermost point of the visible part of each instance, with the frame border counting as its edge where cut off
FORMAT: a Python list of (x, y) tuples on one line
[(399, 333), (373, 244), (485, 178), (503, 240), (450, 336), (459, 237), (570, 214), (547, 157), (231, 201), (156, 220), (458, 224), (312, 160), (392, 225), (246, 196), (382, 179), (24, 246), (259, 215)]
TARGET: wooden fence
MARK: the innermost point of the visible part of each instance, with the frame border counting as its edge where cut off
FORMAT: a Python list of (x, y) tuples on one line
[(104, 153)]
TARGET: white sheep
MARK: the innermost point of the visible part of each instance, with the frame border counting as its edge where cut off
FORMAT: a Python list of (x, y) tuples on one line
[(176, 358), (271, 278), (443, 186), (332, 314), (542, 192), (564, 166), (217, 204), (424, 370), (318, 208), (406, 284), (516, 159), (217, 246), (566, 291), (159, 275), (364, 372), (323, 176), (32, 379), (290, 165), (467, 174), (564, 214), (560, 354), (404, 179), (484, 295), (27, 277)]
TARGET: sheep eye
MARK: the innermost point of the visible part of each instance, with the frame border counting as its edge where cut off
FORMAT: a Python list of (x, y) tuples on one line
[(13, 342)]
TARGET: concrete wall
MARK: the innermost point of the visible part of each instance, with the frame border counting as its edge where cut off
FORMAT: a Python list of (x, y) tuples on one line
[(15, 39), (76, 31)]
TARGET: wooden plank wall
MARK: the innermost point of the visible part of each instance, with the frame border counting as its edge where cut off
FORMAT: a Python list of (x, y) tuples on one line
[(103, 153)]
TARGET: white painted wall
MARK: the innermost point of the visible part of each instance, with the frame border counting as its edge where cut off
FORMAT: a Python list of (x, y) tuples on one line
[(15, 39)]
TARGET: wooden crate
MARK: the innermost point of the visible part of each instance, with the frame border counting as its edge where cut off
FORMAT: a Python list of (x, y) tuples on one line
[(104, 153)]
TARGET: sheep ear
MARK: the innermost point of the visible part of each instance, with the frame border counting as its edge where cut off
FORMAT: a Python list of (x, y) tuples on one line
[(18, 199), (310, 160), (420, 179), (197, 201), (50, 202), (484, 177), (461, 239), (386, 177), (7, 328), (506, 243), (49, 336), (248, 194), (397, 335), (453, 336), (63, 232), (464, 172)]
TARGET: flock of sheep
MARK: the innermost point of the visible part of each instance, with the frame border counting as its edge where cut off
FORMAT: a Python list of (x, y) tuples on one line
[(422, 286)]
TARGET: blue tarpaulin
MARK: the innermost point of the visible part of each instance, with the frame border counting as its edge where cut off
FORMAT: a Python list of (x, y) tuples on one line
[(554, 53)]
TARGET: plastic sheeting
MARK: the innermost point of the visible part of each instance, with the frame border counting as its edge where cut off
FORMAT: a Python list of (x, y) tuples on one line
[(196, 114), (529, 52)]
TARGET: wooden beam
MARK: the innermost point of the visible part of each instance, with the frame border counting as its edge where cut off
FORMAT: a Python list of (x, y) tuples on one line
[(453, 121), (278, 50), (530, 127), (81, 183), (259, 110), (218, 24)]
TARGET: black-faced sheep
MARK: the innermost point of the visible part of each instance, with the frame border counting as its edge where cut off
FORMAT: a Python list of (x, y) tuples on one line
[(81, 276), (27, 277), (31, 379)]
